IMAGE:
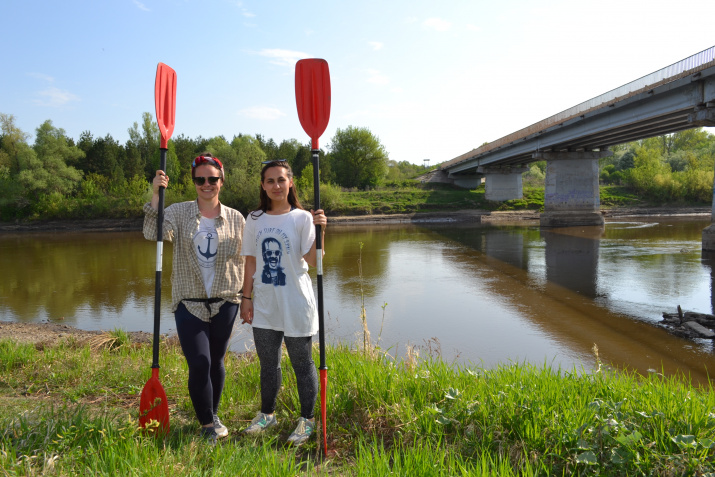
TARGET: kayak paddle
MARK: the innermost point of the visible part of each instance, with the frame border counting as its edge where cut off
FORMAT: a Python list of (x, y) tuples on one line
[(312, 97), (153, 405)]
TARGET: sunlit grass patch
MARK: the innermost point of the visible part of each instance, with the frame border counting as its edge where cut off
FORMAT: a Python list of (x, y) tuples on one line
[(74, 410)]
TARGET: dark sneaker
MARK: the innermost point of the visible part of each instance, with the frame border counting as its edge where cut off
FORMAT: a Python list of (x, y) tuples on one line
[(221, 430), (302, 431), (209, 435), (260, 423)]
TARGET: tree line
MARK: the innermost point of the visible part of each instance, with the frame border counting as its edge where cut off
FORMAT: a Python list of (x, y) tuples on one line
[(670, 168), (58, 177)]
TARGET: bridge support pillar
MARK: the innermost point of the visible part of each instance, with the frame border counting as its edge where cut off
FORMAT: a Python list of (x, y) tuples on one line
[(571, 194), (709, 232), (502, 183)]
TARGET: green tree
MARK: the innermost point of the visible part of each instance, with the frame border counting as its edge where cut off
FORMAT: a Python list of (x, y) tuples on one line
[(147, 141), (357, 158), (268, 146), (105, 157), (403, 170), (13, 145), (133, 165), (651, 175), (186, 150), (47, 172), (243, 179), (303, 158), (14, 151)]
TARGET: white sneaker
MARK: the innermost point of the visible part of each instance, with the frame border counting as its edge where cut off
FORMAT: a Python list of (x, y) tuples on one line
[(221, 430), (260, 423), (302, 431)]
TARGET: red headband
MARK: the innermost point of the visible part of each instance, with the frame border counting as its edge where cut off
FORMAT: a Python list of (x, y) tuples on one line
[(213, 161)]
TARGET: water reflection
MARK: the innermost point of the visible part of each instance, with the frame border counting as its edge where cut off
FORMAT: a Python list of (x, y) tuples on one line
[(479, 294), (88, 280), (708, 261), (572, 258)]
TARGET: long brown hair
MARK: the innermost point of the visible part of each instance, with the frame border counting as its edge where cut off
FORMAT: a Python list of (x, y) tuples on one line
[(265, 201)]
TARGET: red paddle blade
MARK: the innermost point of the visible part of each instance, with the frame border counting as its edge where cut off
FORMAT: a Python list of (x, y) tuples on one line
[(312, 96), (153, 405), (323, 410), (165, 101)]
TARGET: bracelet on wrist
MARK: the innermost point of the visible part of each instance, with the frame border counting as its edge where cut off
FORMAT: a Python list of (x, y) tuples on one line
[(247, 297)]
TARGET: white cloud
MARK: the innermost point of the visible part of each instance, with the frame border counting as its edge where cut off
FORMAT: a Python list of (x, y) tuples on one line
[(283, 57), (55, 97), (376, 45), (141, 6), (375, 77), (437, 24), (471, 27), (262, 112), (244, 10), (42, 77)]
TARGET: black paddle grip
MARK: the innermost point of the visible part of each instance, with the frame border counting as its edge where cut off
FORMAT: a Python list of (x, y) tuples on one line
[(157, 287)]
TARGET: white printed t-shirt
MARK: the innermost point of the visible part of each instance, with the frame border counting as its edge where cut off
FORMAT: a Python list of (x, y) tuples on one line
[(283, 298), (206, 248)]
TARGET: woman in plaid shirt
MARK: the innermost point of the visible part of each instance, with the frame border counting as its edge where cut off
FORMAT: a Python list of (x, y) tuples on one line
[(206, 278)]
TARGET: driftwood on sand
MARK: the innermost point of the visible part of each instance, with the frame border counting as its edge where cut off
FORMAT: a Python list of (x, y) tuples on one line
[(689, 324)]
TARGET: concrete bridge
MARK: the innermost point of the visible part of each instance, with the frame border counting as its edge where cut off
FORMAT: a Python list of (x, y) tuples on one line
[(678, 97)]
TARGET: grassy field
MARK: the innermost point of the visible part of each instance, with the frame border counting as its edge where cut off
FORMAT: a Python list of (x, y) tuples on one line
[(72, 409)]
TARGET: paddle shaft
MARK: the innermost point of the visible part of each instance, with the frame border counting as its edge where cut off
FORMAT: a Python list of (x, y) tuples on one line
[(319, 256), (159, 260)]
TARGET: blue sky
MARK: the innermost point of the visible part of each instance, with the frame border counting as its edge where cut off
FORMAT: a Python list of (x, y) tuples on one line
[(431, 79)]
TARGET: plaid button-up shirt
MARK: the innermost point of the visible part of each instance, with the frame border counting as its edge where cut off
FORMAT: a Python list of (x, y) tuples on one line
[(181, 221)]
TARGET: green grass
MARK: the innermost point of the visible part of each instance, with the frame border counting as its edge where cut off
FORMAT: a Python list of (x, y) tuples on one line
[(444, 197), (429, 198), (72, 409)]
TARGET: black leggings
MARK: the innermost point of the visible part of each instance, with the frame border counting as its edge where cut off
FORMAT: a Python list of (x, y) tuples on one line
[(268, 348), (204, 345)]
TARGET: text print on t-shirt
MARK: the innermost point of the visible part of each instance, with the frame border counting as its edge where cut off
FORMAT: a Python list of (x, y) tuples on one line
[(276, 234)]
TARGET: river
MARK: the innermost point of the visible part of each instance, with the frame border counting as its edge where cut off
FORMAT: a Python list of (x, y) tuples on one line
[(472, 294)]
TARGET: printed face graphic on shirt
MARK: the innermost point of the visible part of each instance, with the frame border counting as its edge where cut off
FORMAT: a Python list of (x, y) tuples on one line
[(272, 270)]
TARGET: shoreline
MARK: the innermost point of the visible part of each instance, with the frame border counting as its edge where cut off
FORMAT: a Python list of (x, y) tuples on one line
[(451, 216)]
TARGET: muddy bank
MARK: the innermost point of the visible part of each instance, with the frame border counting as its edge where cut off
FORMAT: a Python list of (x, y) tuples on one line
[(50, 334), (474, 215)]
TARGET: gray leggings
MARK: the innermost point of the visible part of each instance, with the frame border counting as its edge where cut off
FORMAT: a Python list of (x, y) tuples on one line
[(268, 348)]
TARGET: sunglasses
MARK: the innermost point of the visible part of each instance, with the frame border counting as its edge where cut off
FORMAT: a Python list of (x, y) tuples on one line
[(199, 181), (272, 253)]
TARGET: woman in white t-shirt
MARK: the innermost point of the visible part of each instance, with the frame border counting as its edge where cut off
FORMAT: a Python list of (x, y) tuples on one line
[(279, 244)]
